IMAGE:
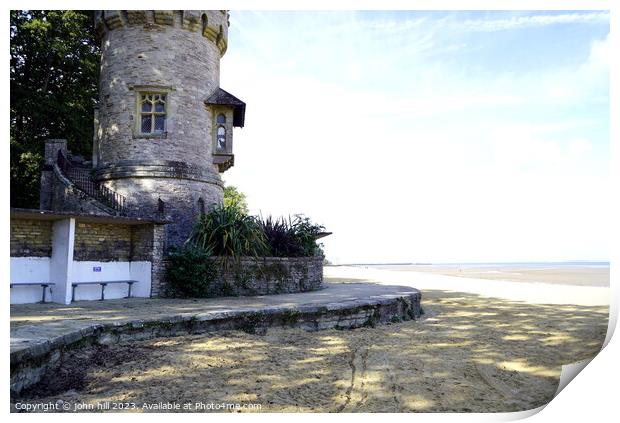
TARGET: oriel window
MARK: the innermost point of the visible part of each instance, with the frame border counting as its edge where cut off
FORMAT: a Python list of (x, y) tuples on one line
[(221, 139)]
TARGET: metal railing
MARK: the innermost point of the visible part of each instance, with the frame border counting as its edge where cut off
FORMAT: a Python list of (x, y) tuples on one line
[(83, 179)]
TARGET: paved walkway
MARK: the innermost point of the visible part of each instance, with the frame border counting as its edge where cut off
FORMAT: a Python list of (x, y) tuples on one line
[(38, 323)]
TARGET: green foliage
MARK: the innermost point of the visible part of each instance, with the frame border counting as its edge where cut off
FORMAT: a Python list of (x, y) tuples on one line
[(292, 237), (235, 198), (306, 232), (229, 233), (190, 272), (25, 176), (54, 73), (281, 237)]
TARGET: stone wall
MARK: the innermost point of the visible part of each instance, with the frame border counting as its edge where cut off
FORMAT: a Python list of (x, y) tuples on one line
[(158, 262), (67, 197), (176, 54), (158, 56), (180, 196), (31, 238), (102, 242), (47, 193), (116, 242), (141, 243), (65, 248), (93, 241), (30, 363), (270, 275)]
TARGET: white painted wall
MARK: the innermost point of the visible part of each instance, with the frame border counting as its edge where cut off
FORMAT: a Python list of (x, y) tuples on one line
[(62, 270), (63, 238), (29, 269), (37, 269), (84, 271), (140, 271)]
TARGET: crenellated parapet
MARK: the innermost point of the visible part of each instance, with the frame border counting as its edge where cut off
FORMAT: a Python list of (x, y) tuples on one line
[(211, 24)]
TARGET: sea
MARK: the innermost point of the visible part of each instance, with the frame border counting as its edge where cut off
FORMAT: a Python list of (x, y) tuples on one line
[(473, 265)]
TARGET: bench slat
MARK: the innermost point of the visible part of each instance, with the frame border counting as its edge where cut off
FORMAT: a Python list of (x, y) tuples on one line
[(103, 285), (100, 282)]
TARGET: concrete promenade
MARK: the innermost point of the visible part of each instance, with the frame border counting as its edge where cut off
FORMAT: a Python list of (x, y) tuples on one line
[(40, 333), (44, 320)]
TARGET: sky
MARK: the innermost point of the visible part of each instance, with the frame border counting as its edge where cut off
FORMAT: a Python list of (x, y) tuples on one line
[(427, 136)]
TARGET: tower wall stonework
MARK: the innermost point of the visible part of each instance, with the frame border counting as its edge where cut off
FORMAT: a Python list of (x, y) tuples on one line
[(176, 53), (180, 197)]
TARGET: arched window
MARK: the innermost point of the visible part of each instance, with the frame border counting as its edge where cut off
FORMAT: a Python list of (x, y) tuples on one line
[(201, 206), (221, 118), (221, 138), (204, 22)]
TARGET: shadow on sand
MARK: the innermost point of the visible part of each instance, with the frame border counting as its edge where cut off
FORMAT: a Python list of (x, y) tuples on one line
[(468, 353)]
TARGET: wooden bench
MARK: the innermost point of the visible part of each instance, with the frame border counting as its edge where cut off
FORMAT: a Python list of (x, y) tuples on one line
[(103, 285), (44, 285)]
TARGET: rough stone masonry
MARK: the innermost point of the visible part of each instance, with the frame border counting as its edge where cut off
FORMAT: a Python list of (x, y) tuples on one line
[(163, 126)]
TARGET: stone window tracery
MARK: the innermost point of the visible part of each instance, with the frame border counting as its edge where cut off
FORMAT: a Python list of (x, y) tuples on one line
[(152, 113)]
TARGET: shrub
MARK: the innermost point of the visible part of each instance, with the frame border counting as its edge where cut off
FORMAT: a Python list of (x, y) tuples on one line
[(293, 237), (228, 232), (281, 237), (307, 233), (235, 198), (190, 272)]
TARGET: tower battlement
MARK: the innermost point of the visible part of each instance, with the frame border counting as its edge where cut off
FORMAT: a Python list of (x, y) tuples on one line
[(211, 24)]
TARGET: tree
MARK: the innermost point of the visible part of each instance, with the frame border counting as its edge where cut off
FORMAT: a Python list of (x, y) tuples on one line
[(54, 74), (235, 198)]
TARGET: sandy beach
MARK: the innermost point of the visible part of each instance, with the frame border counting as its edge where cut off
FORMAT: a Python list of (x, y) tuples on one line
[(519, 284), (482, 346), (585, 275)]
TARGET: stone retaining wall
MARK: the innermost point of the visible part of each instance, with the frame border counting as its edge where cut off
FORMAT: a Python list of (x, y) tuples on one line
[(28, 365), (102, 242), (113, 242), (270, 275), (31, 238)]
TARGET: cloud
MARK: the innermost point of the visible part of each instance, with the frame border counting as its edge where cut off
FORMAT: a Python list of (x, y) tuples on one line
[(517, 22), (599, 54), (418, 159)]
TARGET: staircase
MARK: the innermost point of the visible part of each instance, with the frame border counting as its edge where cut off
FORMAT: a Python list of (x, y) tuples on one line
[(83, 179)]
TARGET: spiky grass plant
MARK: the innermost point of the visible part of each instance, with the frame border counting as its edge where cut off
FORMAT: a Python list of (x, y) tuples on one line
[(292, 237), (229, 233), (281, 237)]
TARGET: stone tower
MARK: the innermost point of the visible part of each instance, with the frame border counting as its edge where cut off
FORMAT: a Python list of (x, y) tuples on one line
[(163, 129)]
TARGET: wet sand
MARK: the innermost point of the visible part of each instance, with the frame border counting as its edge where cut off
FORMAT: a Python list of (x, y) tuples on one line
[(562, 275), (470, 352)]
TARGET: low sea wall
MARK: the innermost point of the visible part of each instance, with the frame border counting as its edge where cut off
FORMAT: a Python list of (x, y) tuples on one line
[(269, 275), (31, 360)]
